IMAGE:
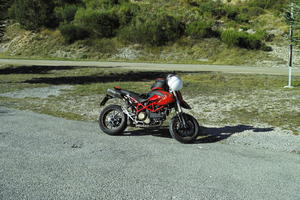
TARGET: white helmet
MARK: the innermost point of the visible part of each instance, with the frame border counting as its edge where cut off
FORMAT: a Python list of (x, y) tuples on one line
[(174, 82)]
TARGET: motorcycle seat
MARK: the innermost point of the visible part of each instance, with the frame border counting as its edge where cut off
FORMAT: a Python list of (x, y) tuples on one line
[(138, 97)]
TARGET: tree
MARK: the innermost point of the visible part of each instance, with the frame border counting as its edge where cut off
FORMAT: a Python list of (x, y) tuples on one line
[(101, 23), (4, 4), (292, 16), (34, 14)]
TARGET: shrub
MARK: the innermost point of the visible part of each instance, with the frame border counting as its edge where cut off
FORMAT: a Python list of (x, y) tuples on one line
[(243, 14), (200, 29), (214, 8), (126, 12), (66, 13), (102, 23), (232, 12), (252, 11), (72, 33), (33, 14), (154, 29), (191, 2), (4, 5), (65, 2), (230, 37), (242, 39), (268, 4), (103, 4), (242, 18), (12, 11), (104, 45)]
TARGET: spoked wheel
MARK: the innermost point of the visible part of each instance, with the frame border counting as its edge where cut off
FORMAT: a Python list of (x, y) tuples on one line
[(184, 134), (112, 120)]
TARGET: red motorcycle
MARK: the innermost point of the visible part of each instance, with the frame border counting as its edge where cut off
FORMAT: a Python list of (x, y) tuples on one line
[(150, 110)]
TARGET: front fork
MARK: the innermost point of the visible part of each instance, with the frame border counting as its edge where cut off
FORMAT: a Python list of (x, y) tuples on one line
[(179, 111)]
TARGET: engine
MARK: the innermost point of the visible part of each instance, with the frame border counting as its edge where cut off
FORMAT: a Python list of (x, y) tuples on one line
[(142, 116), (151, 118)]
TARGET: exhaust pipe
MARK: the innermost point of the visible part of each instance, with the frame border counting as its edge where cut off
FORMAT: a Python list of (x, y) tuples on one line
[(114, 93)]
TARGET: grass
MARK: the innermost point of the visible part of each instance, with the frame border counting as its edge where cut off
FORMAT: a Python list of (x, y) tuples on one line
[(216, 98)]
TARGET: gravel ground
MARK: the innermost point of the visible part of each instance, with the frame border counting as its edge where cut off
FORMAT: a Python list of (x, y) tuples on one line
[(257, 136), (154, 66), (42, 92), (260, 137), (43, 157)]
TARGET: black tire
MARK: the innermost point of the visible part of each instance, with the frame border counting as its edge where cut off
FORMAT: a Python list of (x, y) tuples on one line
[(113, 124), (181, 134)]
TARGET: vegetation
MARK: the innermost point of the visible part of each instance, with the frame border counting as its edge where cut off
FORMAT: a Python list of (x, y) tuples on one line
[(34, 14), (154, 23), (293, 19), (4, 4), (71, 32), (101, 23), (201, 29), (243, 39), (268, 4), (154, 29)]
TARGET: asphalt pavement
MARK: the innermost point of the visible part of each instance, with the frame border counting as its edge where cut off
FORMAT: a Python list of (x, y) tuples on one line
[(44, 157)]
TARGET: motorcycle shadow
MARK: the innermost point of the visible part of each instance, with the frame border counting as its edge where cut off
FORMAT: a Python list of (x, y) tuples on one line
[(216, 134), (206, 134), (158, 132)]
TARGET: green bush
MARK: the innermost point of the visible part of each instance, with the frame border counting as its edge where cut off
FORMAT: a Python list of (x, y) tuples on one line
[(214, 8), (103, 45), (4, 5), (33, 14), (232, 12), (126, 12), (242, 39), (191, 2), (65, 2), (230, 37), (242, 14), (200, 29), (252, 11), (102, 23), (72, 33), (66, 13), (268, 4), (153, 29), (242, 18), (103, 4), (12, 11)]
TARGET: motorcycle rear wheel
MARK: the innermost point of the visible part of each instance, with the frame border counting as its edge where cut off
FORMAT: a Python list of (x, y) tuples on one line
[(112, 120), (184, 134)]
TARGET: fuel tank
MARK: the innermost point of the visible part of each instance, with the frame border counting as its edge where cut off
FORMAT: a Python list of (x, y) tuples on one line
[(161, 97)]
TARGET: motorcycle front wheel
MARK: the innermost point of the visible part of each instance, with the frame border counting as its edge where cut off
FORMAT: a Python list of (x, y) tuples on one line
[(184, 134), (112, 120)]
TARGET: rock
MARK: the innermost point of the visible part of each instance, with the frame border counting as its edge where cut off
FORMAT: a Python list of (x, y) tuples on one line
[(251, 31), (63, 54), (128, 53), (203, 59)]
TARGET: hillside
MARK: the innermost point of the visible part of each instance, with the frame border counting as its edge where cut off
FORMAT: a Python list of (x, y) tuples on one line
[(234, 32)]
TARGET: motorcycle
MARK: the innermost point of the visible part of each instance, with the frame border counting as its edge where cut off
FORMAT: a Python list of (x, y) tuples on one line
[(150, 110)]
